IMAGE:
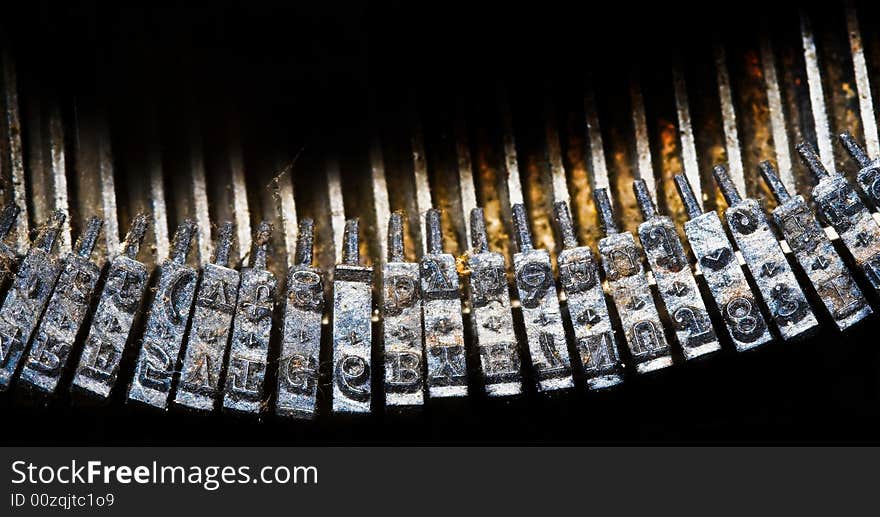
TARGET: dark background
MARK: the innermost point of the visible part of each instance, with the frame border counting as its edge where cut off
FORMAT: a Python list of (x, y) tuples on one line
[(303, 74)]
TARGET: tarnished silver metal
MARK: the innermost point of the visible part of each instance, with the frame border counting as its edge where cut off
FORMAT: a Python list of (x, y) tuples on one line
[(352, 330), (199, 386), (776, 282), (119, 303), (25, 301), (301, 341), (816, 254), (491, 317), (840, 206), (631, 293), (8, 256), (443, 324), (868, 176), (594, 336), (675, 279), (249, 351), (251, 329), (159, 357), (730, 290), (401, 323), (65, 312), (545, 332)]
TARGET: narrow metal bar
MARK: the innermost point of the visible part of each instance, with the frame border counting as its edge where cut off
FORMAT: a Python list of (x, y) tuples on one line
[(644, 165), (521, 230), (16, 156), (58, 171), (863, 83), (728, 189), (554, 152), (241, 208), (337, 205), (381, 202), (158, 204), (87, 158), (777, 187), (606, 214), (420, 171), (511, 165), (728, 116), (781, 144), (199, 193), (287, 208), (686, 135), (817, 95), (467, 185), (594, 135), (108, 187)]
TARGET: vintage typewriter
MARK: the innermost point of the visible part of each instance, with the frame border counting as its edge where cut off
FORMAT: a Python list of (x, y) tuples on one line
[(458, 223)]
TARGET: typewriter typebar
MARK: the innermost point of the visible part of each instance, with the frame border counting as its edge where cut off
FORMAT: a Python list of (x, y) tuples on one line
[(168, 317), (282, 246), (352, 329), (65, 312), (199, 388), (631, 293), (301, 339), (402, 323), (764, 258), (114, 318)]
